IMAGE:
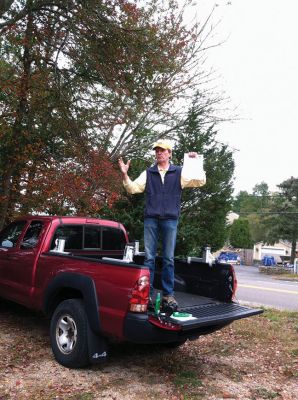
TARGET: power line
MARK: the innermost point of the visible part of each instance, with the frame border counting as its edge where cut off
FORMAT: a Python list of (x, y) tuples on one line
[(261, 196), (266, 212)]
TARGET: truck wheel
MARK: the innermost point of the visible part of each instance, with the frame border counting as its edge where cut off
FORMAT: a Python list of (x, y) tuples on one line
[(68, 333)]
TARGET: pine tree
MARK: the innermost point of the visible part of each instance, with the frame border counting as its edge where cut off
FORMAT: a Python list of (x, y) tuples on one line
[(239, 235), (282, 223)]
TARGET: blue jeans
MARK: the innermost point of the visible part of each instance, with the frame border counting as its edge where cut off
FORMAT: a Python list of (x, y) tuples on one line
[(155, 228)]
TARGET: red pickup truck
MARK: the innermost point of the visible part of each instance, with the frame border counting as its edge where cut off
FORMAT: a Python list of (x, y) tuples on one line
[(93, 294)]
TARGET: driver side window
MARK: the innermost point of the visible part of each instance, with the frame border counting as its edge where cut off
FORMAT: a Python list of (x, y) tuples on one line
[(10, 235)]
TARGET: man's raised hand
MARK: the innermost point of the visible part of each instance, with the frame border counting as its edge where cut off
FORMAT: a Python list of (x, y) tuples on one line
[(123, 167)]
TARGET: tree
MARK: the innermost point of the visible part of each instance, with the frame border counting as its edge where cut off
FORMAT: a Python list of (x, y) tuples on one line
[(81, 75), (251, 206), (246, 203), (282, 222), (84, 185), (242, 202), (239, 235)]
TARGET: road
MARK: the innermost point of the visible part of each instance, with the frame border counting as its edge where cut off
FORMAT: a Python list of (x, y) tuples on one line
[(258, 289)]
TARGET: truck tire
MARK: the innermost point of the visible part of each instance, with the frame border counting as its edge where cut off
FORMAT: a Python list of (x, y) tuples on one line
[(68, 334)]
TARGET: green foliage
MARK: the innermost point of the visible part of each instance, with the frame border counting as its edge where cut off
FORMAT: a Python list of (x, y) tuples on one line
[(252, 206), (245, 203), (272, 216), (240, 234), (282, 223)]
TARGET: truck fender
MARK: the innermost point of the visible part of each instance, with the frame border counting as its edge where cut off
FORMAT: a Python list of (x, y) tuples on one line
[(64, 285)]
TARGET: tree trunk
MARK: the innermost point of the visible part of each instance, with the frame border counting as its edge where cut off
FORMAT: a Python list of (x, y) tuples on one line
[(293, 250), (15, 153), (5, 194)]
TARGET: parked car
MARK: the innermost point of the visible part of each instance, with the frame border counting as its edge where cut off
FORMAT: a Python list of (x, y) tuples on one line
[(229, 257)]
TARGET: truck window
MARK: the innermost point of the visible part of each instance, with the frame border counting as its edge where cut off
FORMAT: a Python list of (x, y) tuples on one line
[(95, 237), (73, 235), (113, 239), (10, 235), (92, 237), (32, 235)]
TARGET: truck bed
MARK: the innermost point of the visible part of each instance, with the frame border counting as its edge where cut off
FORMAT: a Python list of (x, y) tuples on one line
[(207, 311)]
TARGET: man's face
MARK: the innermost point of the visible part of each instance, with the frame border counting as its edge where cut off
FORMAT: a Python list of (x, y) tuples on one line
[(162, 155)]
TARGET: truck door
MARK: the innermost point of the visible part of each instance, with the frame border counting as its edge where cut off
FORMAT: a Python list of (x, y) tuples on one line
[(19, 261), (9, 239)]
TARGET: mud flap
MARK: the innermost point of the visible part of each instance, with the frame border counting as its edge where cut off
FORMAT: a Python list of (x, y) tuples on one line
[(97, 347)]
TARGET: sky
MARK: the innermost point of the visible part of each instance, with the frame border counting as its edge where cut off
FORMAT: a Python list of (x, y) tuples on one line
[(258, 70)]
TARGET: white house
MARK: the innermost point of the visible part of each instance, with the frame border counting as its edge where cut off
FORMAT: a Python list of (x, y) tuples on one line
[(278, 250)]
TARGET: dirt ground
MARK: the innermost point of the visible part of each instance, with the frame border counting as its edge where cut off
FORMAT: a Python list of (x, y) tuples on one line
[(254, 358)]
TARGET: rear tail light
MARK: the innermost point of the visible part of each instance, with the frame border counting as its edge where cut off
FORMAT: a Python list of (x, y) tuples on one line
[(164, 324), (140, 295)]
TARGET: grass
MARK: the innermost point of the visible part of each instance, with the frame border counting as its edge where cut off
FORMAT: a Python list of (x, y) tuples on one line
[(51, 395), (261, 347), (186, 379), (82, 396), (287, 276), (263, 393)]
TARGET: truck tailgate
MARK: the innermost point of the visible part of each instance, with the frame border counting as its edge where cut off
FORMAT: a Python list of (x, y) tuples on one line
[(206, 311)]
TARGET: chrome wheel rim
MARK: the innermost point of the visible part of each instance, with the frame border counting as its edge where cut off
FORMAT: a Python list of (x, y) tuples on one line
[(66, 334)]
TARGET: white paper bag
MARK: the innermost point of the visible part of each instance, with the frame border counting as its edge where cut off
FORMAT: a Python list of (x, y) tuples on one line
[(193, 167)]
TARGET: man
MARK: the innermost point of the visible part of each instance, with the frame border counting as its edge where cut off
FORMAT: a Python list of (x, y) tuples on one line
[(163, 184)]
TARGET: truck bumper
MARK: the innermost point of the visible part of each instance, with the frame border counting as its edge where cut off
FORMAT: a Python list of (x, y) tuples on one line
[(139, 329), (146, 328)]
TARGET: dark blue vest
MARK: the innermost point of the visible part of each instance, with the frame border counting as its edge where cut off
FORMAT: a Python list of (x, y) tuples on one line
[(163, 200)]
